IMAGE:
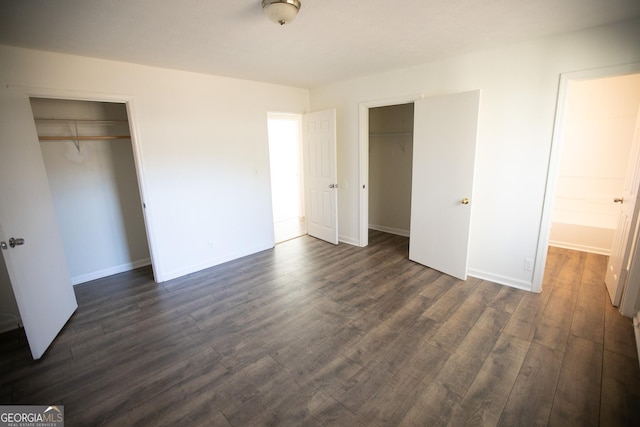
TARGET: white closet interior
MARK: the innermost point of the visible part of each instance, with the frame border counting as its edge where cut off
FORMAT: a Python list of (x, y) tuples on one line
[(90, 166), (390, 168)]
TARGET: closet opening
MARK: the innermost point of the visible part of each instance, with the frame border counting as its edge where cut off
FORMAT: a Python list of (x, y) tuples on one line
[(390, 168), (287, 186), (88, 156), (443, 132)]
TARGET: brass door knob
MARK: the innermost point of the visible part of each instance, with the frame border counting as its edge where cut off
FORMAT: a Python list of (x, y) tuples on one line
[(465, 201)]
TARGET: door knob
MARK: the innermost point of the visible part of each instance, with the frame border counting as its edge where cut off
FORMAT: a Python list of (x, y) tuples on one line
[(465, 201), (16, 242), (618, 200)]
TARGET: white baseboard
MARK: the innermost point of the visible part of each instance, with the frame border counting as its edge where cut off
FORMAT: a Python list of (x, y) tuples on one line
[(349, 240), (83, 278), (390, 230), (583, 238), (501, 280), (581, 248)]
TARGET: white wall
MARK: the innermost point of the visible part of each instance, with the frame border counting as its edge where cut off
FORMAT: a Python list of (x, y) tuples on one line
[(200, 141), (519, 85), (94, 187), (597, 132), (390, 165)]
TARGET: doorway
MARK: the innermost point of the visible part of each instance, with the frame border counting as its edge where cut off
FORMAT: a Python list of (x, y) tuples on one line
[(599, 120), (443, 162), (390, 168), (592, 145), (88, 156), (364, 153), (287, 186)]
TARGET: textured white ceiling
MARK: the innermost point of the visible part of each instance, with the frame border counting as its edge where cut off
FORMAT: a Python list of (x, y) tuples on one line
[(330, 40)]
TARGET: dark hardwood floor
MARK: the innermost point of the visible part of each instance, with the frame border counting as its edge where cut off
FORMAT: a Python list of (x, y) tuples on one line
[(315, 334)]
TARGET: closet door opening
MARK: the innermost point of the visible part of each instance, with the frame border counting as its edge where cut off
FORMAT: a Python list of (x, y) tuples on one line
[(390, 168), (287, 188), (443, 158), (88, 156)]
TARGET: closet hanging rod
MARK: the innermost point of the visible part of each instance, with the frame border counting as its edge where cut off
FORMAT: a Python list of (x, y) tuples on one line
[(81, 138)]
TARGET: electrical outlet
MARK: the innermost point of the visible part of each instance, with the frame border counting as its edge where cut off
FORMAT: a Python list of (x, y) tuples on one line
[(528, 264)]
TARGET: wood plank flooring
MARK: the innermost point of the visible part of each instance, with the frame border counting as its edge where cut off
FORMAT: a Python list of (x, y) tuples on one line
[(314, 334)]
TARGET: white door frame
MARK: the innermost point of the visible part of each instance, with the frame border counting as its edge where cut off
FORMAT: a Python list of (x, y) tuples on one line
[(128, 100), (554, 160), (363, 185)]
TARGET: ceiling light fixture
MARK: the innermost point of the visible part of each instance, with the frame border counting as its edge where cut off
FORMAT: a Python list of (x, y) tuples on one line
[(281, 11)]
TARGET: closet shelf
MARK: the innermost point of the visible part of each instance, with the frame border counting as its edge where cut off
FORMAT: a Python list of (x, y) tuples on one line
[(82, 138), (82, 121), (77, 123)]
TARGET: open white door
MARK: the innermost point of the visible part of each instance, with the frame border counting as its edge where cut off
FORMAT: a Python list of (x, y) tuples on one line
[(321, 180), (37, 268), (617, 270), (444, 145)]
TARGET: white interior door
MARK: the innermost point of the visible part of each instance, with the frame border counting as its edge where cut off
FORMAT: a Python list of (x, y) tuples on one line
[(37, 269), (444, 144), (617, 269), (321, 180)]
